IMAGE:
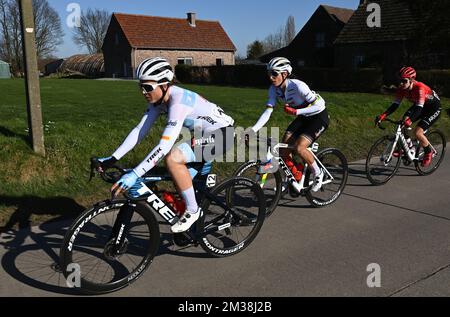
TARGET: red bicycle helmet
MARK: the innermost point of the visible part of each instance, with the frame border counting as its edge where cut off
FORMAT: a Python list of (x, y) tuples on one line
[(407, 72)]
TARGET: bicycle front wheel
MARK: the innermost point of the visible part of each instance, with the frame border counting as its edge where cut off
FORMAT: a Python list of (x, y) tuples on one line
[(234, 213), (334, 181), (383, 161), (438, 144), (271, 183), (91, 260)]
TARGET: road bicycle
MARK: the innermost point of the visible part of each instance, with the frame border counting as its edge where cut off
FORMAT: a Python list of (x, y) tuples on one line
[(385, 156), (275, 178), (112, 244)]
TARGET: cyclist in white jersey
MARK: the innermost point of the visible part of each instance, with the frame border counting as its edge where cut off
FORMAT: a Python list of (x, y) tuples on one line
[(309, 108), (184, 108)]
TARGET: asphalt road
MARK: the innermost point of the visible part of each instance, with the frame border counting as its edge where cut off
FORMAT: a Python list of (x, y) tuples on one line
[(403, 226)]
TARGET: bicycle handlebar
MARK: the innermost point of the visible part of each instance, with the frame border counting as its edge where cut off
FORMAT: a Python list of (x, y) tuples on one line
[(107, 175), (391, 121)]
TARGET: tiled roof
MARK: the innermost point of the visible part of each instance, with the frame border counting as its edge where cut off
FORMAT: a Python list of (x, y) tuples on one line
[(397, 23), (341, 14), (170, 33)]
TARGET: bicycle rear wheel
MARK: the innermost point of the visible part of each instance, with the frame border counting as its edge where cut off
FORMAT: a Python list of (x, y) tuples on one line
[(336, 164), (271, 183), (88, 248), (438, 143), (381, 165), (233, 214)]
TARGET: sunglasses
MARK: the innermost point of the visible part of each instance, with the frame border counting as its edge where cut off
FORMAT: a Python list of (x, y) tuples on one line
[(273, 73), (148, 88), (404, 80)]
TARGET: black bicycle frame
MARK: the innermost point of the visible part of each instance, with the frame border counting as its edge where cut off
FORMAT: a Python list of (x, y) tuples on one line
[(122, 223)]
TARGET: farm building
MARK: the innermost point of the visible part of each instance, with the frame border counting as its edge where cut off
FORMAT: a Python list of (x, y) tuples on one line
[(132, 38), (4, 70), (91, 65)]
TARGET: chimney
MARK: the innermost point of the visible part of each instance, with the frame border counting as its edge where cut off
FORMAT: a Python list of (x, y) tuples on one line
[(191, 19)]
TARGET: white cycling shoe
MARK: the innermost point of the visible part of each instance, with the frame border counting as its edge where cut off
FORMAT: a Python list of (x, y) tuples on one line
[(318, 181), (186, 221)]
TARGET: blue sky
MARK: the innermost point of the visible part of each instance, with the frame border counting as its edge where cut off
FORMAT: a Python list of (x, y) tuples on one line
[(243, 20)]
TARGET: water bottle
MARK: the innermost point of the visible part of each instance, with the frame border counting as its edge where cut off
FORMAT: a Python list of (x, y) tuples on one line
[(411, 146), (177, 204)]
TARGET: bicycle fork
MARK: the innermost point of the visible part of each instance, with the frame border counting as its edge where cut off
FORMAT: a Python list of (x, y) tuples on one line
[(121, 227)]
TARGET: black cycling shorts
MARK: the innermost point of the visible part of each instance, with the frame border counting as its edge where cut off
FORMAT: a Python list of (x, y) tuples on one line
[(430, 114), (309, 127)]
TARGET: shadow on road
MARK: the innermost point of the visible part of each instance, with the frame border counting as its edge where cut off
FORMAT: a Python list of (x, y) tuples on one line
[(358, 177), (32, 253)]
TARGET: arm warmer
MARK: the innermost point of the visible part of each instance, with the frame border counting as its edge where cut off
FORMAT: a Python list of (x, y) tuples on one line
[(392, 108), (177, 115), (263, 119), (414, 113), (138, 133), (311, 109)]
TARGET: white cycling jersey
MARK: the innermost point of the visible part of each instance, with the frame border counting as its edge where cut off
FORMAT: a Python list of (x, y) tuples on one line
[(297, 95), (185, 109)]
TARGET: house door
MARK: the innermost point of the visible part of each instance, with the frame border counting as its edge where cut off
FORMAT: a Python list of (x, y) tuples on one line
[(125, 69)]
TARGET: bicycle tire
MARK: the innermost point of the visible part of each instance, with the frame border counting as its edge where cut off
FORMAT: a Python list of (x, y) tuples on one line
[(73, 233), (372, 180), (419, 168), (312, 197), (251, 167), (229, 187)]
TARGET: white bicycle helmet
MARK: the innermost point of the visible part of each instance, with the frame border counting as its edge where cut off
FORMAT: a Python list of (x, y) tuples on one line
[(155, 69), (280, 65)]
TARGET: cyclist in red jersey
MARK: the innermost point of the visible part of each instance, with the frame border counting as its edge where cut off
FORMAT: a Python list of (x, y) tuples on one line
[(426, 107)]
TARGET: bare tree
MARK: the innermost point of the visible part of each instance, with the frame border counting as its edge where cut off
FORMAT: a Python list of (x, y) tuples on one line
[(289, 31), (48, 28), (92, 30), (274, 41), (48, 31), (5, 38)]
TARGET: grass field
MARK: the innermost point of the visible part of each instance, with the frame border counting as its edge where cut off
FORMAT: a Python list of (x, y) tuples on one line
[(87, 117)]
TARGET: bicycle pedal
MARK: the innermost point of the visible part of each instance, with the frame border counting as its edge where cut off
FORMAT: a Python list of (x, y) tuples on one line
[(182, 240), (293, 192)]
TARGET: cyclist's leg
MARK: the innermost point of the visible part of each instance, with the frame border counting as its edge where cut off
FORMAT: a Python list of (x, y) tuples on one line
[(176, 164), (290, 138), (428, 118), (209, 147), (312, 129)]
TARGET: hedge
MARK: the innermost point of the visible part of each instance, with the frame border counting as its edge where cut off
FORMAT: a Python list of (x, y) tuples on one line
[(324, 79)]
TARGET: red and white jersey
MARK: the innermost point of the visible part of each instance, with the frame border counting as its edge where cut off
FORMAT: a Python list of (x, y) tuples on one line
[(419, 94)]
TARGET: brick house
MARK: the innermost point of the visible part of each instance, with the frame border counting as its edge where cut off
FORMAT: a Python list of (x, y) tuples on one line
[(132, 38), (388, 47), (313, 45)]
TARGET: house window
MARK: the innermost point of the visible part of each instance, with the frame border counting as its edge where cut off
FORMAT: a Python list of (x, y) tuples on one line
[(117, 39), (320, 40), (219, 61), (185, 61), (358, 60)]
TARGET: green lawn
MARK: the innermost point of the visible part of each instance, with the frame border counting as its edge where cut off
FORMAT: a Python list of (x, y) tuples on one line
[(86, 117)]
